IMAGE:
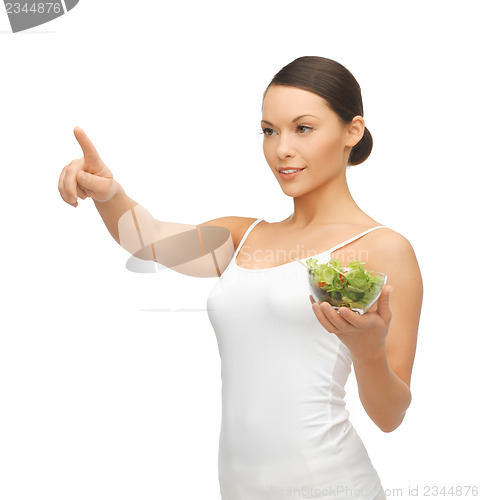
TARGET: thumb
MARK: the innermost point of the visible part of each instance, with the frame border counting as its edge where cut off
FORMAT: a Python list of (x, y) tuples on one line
[(91, 182), (383, 304)]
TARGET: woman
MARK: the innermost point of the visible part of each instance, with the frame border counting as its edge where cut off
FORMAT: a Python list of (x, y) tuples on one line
[(285, 429)]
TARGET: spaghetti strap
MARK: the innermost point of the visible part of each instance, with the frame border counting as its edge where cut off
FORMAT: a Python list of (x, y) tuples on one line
[(340, 245), (245, 237)]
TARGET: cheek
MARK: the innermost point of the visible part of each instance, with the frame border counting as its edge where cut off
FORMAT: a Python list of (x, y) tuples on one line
[(325, 148), (268, 151)]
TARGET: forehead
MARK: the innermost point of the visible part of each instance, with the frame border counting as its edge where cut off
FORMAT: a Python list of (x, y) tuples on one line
[(282, 100)]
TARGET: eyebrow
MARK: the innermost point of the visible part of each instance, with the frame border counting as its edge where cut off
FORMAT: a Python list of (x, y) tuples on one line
[(293, 121)]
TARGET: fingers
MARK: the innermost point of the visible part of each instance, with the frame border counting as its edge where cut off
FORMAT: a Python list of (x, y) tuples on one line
[(351, 317), (70, 181), (334, 320), (89, 151), (328, 317), (81, 193), (101, 188), (68, 186), (68, 195)]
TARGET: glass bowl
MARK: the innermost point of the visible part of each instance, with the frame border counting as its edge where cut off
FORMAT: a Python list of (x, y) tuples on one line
[(347, 295)]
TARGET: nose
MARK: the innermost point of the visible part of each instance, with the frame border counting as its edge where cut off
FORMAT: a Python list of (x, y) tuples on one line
[(285, 147)]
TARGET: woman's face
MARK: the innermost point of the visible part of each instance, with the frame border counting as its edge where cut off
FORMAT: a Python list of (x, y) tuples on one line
[(318, 142)]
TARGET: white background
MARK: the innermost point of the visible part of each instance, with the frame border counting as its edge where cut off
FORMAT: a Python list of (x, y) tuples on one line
[(104, 397)]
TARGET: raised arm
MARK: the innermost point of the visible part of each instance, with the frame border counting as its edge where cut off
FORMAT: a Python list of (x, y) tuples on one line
[(202, 250)]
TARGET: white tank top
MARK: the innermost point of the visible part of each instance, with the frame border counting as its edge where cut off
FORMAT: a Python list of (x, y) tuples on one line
[(285, 430)]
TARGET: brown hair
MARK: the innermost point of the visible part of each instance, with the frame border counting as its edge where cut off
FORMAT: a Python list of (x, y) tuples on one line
[(336, 85)]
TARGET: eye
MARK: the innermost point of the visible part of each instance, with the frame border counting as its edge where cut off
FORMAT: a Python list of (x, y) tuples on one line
[(267, 131), (304, 127)]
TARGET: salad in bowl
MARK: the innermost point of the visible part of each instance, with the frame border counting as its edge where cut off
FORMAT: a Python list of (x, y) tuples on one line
[(352, 286)]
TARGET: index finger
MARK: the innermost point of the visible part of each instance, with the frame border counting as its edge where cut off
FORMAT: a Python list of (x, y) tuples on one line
[(89, 150)]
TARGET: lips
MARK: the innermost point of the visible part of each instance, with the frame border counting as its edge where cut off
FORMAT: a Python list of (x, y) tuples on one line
[(290, 168)]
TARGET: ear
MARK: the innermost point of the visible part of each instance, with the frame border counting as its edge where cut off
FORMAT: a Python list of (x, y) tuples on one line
[(355, 131)]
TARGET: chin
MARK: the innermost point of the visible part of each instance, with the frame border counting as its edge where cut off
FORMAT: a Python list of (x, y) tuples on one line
[(292, 191)]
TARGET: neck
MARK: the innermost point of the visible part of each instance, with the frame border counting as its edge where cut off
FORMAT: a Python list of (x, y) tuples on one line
[(330, 203)]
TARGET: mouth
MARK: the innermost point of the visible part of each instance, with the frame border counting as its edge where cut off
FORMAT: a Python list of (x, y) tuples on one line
[(289, 173)]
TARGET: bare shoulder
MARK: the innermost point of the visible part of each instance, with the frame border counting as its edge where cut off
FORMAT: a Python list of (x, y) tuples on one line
[(388, 245), (392, 254), (236, 225)]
